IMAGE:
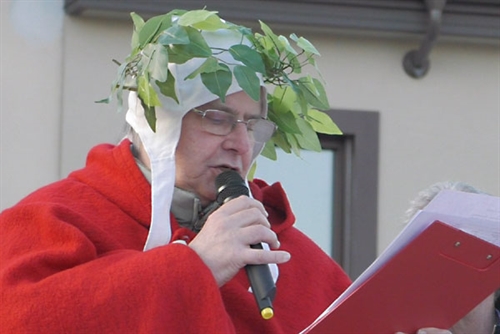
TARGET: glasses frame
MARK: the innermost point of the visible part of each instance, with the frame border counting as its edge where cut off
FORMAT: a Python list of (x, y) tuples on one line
[(235, 122)]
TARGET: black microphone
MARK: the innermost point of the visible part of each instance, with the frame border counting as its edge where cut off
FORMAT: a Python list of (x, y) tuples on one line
[(230, 185)]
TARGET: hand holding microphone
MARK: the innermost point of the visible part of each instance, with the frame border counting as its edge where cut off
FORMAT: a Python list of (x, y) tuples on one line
[(223, 242)]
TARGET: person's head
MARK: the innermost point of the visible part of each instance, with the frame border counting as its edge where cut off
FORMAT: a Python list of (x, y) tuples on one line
[(188, 71), (218, 136), (426, 195)]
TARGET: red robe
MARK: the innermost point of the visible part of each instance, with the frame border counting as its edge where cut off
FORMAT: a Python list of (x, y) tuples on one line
[(71, 261)]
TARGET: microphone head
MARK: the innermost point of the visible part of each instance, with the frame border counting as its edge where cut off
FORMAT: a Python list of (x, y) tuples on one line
[(229, 185)]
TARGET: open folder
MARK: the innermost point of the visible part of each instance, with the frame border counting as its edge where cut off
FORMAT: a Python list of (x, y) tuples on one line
[(443, 263)]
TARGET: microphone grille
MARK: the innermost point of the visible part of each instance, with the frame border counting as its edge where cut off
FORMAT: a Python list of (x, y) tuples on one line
[(229, 185)]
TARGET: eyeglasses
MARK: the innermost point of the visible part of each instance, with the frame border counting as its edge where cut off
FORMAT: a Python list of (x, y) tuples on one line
[(222, 123)]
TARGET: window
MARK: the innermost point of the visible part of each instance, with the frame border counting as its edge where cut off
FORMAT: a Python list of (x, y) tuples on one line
[(334, 193)]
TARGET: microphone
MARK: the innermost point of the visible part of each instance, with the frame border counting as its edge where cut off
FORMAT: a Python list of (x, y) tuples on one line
[(229, 185)]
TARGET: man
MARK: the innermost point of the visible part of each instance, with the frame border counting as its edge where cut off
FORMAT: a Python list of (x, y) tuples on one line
[(134, 243)]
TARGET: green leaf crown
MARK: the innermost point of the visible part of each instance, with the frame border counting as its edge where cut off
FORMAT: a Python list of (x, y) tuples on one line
[(294, 105)]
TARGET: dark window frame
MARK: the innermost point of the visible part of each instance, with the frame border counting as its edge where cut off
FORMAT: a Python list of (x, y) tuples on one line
[(355, 188)]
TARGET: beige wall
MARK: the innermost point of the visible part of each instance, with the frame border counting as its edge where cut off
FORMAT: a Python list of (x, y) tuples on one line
[(445, 126)]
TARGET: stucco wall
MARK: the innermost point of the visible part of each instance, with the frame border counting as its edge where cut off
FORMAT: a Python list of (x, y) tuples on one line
[(445, 126)]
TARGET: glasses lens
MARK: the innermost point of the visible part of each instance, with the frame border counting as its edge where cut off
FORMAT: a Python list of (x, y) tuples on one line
[(262, 129), (218, 122), (221, 123)]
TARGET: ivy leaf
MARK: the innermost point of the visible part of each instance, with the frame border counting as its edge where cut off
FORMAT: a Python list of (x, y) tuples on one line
[(291, 54), (151, 28), (305, 45), (218, 82), (269, 151), (197, 47), (308, 139), (286, 122), (313, 92), (211, 23), (209, 65), (279, 138), (147, 93), (248, 80), (167, 87), (138, 24), (150, 114), (251, 171), (174, 35), (195, 16), (321, 122), (282, 99), (248, 57), (294, 145), (274, 41), (158, 67)]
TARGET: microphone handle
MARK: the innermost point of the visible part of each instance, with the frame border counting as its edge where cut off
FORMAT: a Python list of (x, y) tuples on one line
[(263, 287), (230, 185)]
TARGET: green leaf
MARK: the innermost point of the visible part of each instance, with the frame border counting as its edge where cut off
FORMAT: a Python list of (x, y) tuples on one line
[(251, 172), (291, 54), (279, 138), (208, 66), (195, 16), (158, 67), (269, 151), (321, 122), (151, 28), (308, 139), (286, 122), (313, 92), (138, 24), (320, 89), (147, 93), (197, 47), (174, 35), (275, 43), (106, 100), (212, 23), (286, 45), (248, 57), (167, 88), (218, 82), (150, 114), (248, 80), (282, 99), (307, 46), (294, 145), (138, 21)]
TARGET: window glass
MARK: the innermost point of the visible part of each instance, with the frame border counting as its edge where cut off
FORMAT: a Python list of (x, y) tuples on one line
[(308, 182)]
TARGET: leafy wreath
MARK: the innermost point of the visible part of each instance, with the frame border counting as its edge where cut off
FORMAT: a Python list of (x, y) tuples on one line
[(294, 105)]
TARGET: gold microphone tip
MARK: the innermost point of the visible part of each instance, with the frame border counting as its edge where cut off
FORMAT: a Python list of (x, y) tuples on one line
[(267, 313)]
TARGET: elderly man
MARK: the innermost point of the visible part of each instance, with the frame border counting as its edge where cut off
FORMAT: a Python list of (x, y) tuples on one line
[(135, 242)]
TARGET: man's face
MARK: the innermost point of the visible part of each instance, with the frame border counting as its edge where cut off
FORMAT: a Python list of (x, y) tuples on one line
[(201, 156)]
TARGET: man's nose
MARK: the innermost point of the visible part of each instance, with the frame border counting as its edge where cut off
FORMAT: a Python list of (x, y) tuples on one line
[(239, 139)]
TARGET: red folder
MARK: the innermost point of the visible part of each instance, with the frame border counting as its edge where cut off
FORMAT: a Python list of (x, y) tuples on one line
[(433, 281)]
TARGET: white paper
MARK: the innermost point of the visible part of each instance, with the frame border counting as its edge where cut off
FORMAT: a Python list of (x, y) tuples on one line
[(476, 214)]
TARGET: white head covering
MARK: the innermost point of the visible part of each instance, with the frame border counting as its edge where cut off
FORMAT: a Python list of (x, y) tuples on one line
[(160, 145)]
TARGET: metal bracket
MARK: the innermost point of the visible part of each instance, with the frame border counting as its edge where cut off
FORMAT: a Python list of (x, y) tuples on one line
[(416, 63)]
